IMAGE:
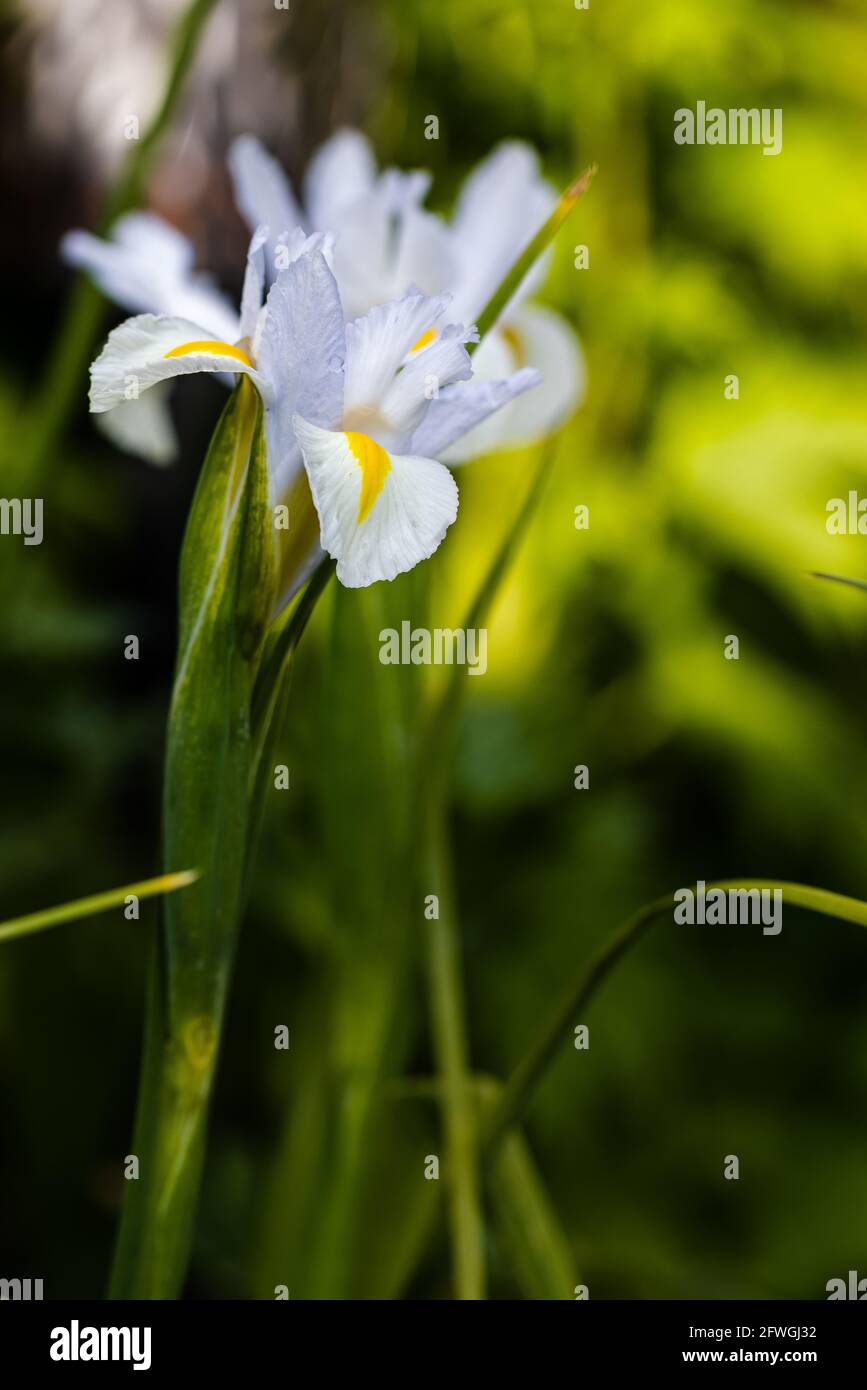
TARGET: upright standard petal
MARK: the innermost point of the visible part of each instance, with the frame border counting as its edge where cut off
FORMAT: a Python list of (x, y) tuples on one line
[(340, 172), (378, 344), (303, 348), (380, 514), (386, 244), (302, 352), (426, 372), (150, 348), (502, 204), (262, 191), (254, 284)]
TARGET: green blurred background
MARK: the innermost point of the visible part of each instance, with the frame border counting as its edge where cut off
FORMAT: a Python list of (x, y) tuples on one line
[(606, 648)]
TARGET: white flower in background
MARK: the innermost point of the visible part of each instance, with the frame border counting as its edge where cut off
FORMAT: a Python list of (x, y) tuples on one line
[(148, 267), (501, 206), (385, 243), (361, 404)]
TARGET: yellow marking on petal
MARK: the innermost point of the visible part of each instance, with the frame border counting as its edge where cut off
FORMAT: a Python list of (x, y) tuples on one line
[(375, 467), (516, 343), (422, 342), (211, 345)]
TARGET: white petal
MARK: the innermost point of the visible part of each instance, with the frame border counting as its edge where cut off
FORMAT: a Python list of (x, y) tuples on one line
[(386, 243), (425, 372), (538, 338), (262, 191), (417, 503), (151, 236), (146, 267), (135, 358), (341, 171), (291, 246), (302, 354), (378, 343), (425, 255), (501, 206), (143, 427), (254, 284), (462, 407)]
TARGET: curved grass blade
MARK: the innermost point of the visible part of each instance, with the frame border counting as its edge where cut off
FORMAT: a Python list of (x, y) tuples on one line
[(96, 903), (840, 579), (512, 1105), (531, 253)]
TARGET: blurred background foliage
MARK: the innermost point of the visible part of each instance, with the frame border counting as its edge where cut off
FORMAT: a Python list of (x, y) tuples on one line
[(606, 648)]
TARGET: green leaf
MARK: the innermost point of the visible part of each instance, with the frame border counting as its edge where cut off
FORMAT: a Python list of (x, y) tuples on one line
[(226, 594), (98, 902), (273, 679), (531, 253), (367, 712), (227, 584)]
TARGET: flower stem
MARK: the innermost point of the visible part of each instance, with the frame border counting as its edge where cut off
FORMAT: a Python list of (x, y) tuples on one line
[(450, 1048), (443, 943)]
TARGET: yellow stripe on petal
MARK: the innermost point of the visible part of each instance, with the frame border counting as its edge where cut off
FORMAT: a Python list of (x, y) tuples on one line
[(516, 343), (422, 342), (375, 467), (213, 346)]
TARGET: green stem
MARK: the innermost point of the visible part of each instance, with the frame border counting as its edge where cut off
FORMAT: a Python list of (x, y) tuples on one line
[(443, 953), (450, 1049), (85, 310), (512, 1104), (521, 1209)]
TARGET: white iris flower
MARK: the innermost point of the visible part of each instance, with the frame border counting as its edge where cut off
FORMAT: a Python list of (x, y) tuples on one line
[(367, 406), (385, 241)]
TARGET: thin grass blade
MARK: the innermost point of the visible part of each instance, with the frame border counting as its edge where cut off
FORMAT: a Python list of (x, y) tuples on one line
[(512, 1105), (96, 903), (531, 253)]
